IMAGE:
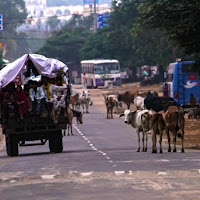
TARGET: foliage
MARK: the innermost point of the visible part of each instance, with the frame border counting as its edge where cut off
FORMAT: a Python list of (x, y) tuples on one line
[(178, 19), (53, 23), (14, 14), (65, 45)]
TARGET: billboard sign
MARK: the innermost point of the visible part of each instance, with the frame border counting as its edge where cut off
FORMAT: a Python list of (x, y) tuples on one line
[(1, 22), (102, 20), (90, 1)]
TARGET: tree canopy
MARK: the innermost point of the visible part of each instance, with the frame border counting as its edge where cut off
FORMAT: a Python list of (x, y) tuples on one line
[(14, 14), (178, 19)]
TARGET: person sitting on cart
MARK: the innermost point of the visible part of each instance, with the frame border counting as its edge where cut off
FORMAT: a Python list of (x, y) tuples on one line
[(193, 101), (52, 100), (60, 95), (38, 99), (9, 101), (21, 101)]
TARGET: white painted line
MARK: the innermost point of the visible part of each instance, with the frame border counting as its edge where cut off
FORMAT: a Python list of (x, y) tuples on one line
[(86, 173), (110, 161), (114, 166), (162, 173), (108, 157), (12, 181), (118, 173), (164, 160), (48, 177), (104, 154)]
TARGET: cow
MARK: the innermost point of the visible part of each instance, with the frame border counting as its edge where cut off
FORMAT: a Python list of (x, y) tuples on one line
[(118, 104), (174, 122), (157, 103), (141, 121), (71, 114), (127, 97), (158, 126), (74, 101), (194, 113), (139, 103), (110, 104), (85, 101)]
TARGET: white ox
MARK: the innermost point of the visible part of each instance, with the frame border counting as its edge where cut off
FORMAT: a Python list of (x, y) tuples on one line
[(139, 103), (141, 121)]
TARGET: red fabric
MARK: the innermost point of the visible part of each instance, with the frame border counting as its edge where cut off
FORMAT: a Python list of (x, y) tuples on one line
[(21, 96)]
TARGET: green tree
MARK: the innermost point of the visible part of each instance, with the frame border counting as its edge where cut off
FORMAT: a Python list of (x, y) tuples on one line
[(178, 19), (14, 14), (53, 23)]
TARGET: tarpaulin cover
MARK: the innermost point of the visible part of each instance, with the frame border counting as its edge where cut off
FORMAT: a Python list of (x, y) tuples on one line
[(45, 66)]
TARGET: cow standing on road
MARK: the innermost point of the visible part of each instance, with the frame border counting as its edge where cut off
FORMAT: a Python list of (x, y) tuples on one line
[(158, 126), (141, 121), (127, 97), (174, 122)]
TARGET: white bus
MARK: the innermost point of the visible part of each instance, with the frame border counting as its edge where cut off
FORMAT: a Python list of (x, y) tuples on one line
[(96, 72)]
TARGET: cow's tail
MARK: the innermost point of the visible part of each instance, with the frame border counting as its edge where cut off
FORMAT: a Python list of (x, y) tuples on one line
[(180, 124), (91, 103), (154, 119)]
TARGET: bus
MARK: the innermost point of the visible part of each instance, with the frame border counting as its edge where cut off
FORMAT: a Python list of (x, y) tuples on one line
[(97, 72), (182, 82)]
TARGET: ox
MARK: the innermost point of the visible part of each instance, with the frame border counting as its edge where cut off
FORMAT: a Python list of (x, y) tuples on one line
[(157, 103), (110, 104), (141, 121), (71, 114), (139, 103), (85, 101), (127, 97), (158, 126), (174, 122)]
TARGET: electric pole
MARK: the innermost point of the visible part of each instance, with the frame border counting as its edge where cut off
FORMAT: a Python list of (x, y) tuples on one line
[(95, 16)]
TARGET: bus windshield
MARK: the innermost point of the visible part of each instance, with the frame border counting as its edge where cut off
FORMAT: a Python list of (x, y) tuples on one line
[(107, 68)]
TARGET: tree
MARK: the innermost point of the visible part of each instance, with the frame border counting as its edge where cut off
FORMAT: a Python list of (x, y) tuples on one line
[(14, 14), (53, 23), (65, 44), (178, 19)]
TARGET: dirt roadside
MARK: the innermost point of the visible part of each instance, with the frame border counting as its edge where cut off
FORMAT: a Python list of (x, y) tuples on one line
[(192, 126)]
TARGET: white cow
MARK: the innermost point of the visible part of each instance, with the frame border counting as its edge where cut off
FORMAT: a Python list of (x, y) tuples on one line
[(141, 121), (139, 103)]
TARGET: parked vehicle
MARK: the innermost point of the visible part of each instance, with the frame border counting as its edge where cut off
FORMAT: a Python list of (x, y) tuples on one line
[(96, 72), (182, 82)]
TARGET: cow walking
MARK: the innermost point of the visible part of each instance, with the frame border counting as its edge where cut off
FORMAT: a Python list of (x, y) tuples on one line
[(85, 101), (174, 122), (141, 121), (127, 97), (158, 126), (71, 114)]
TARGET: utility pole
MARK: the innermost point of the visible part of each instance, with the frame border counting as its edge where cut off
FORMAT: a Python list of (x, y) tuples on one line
[(95, 16)]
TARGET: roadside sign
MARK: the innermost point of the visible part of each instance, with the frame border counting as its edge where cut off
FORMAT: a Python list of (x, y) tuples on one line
[(1, 22), (102, 20), (90, 1)]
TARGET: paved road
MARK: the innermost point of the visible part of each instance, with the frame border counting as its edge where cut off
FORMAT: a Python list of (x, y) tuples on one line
[(99, 162)]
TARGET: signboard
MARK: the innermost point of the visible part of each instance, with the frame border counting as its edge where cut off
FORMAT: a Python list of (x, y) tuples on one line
[(90, 1), (1, 22), (102, 20), (74, 74)]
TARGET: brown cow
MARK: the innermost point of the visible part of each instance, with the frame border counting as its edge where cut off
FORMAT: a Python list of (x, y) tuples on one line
[(71, 114), (127, 97), (174, 122), (158, 126), (110, 104), (74, 101)]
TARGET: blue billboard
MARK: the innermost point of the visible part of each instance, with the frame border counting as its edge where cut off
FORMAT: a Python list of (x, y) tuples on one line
[(1, 22), (90, 1), (102, 20)]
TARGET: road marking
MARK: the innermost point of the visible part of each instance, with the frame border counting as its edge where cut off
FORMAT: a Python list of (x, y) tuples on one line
[(86, 173), (48, 177), (93, 147), (162, 173), (119, 173)]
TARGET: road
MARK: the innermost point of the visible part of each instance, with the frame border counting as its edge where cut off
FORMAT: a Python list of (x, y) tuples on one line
[(99, 162)]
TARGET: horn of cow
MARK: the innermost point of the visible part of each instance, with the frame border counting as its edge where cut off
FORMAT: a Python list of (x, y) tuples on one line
[(121, 115)]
